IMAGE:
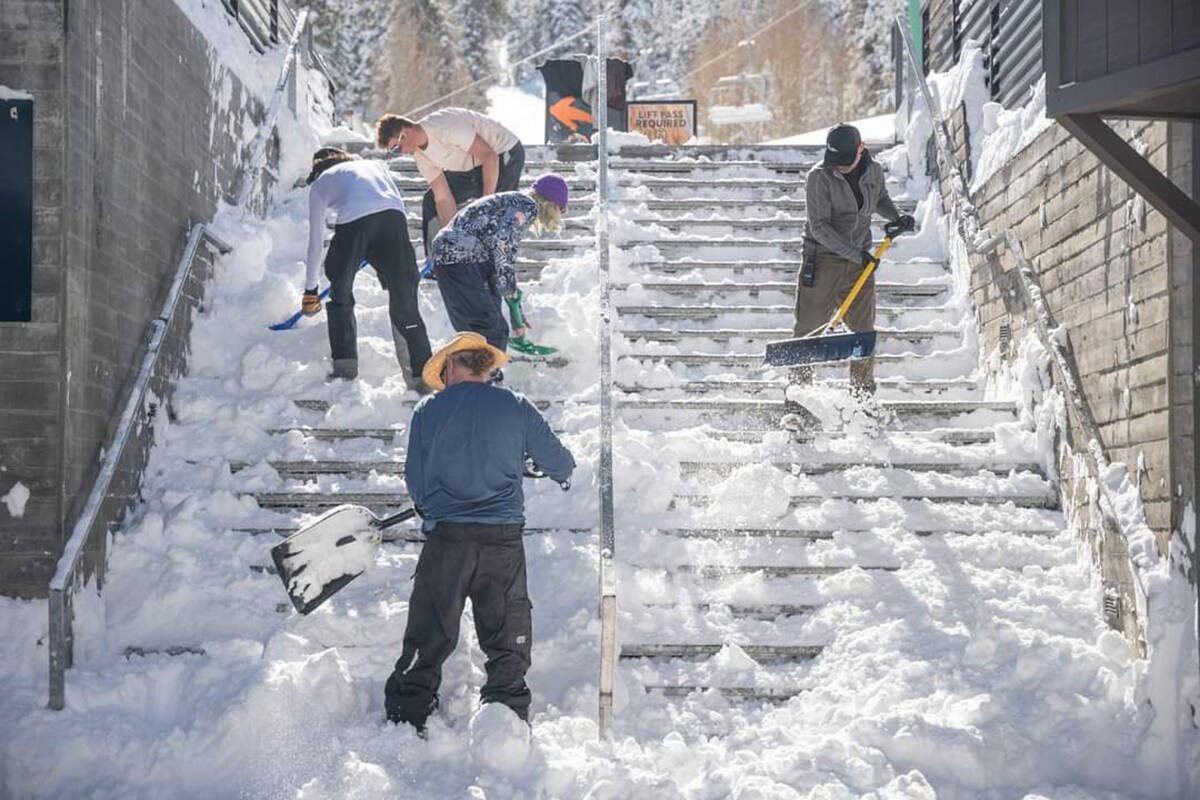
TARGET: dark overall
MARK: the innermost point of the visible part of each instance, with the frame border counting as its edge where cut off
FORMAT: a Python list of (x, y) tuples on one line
[(382, 240), (485, 563)]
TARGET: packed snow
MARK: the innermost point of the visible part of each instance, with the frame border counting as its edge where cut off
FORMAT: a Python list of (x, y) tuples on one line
[(962, 650), (15, 499), (14, 94)]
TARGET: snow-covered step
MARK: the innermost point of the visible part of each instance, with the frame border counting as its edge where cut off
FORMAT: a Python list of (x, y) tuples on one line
[(324, 500), (914, 269), (751, 206), (402, 535), (999, 468), (911, 408), (883, 290), (290, 470), (534, 167), (762, 653), (318, 404), (717, 571), (1047, 499), (334, 434), (743, 694), (957, 436), (750, 386), (758, 611), (727, 534), (944, 338), (908, 316), (886, 364)]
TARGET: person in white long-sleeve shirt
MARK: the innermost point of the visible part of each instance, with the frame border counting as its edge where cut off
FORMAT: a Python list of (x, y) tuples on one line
[(370, 225)]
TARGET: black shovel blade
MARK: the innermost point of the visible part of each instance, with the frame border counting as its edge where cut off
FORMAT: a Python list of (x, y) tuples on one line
[(820, 349), (318, 560)]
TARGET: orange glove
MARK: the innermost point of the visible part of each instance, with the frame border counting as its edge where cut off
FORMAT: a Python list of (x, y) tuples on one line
[(310, 302)]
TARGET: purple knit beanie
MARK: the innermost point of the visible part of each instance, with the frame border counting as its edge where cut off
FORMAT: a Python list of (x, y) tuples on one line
[(553, 188)]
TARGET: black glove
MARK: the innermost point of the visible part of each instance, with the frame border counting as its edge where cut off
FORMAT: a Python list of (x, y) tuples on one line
[(867, 258), (902, 224)]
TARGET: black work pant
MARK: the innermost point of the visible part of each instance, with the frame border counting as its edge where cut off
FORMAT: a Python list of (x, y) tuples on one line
[(471, 302), (468, 186), (381, 239), (459, 560)]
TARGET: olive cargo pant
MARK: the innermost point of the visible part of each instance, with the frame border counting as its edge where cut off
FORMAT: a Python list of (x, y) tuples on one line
[(833, 280)]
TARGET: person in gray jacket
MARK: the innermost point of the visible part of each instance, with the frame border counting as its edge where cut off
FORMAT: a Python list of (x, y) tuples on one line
[(842, 194)]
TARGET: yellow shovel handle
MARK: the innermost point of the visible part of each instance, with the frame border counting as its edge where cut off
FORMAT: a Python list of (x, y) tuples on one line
[(862, 279)]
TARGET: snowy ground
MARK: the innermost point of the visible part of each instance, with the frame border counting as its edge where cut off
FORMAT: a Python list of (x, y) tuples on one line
[(964, 654)]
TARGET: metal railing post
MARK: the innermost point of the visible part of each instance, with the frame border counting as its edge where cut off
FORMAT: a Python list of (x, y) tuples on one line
[(608, 581)]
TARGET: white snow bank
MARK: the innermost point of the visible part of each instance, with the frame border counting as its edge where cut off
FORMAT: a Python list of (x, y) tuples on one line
[(881, 128), (521, 112), (258, 72), (16, 498), (7, 93), (1007, 132)]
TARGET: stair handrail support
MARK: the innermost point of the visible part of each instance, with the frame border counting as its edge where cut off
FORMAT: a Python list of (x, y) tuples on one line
[(607, 569), (150, 388), (1113, 535)]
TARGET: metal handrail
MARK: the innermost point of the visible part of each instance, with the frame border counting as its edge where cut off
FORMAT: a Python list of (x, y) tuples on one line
[(136, 419), (607, 576), (285, 86), (978, 241)]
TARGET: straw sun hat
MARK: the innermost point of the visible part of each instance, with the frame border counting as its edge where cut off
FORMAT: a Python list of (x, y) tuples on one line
[(463, 340)]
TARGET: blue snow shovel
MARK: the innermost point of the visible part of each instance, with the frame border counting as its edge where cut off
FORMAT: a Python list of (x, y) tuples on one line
[(291, 321)]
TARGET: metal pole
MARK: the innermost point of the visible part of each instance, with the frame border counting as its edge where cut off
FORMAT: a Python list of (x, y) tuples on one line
[(608, 583)]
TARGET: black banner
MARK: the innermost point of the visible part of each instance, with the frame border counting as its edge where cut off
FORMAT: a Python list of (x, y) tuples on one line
[(16, 211)]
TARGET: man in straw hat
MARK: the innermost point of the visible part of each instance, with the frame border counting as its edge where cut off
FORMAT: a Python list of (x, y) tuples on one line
[(467, 446)]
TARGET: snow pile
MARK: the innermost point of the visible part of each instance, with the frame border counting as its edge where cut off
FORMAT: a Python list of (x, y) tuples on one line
[(14, 94), (1007, 132), (15, 499)]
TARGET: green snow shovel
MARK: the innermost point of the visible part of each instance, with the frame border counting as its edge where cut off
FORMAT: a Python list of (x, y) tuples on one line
[(520, 343)]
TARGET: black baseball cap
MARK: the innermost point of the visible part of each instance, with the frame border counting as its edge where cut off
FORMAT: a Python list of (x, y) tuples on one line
[(841, 145)]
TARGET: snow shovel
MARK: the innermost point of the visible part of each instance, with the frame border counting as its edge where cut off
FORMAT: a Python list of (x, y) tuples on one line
[(520, 343), (833, 341), (291, 321), (316, 561)]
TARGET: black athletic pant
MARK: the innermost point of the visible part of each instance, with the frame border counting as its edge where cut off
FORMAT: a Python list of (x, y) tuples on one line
[(471, 302), (468, 186), (459, 560), (382, 240)]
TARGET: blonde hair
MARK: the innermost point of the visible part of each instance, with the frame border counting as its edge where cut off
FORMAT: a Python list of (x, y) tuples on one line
[(549, 215)]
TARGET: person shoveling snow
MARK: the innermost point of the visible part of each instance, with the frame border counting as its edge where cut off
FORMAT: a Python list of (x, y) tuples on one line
[(466, 453), (475, 258)]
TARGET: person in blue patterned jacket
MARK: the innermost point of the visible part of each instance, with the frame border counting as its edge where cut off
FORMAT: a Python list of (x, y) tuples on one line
[(475, 257)]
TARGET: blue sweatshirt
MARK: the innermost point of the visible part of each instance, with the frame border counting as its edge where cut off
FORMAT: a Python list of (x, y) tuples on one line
[(466, 454)]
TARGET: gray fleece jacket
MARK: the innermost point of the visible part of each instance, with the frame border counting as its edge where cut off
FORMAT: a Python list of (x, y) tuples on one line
[(835, 222)]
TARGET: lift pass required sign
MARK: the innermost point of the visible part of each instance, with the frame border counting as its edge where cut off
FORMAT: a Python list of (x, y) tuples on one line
[(671, 122)]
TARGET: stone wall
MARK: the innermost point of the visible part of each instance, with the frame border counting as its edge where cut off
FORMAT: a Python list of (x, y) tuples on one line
[(1100, 253), (139, 131)]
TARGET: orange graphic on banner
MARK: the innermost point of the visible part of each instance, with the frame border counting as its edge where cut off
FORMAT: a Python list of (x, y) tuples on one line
[(565, 112)]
